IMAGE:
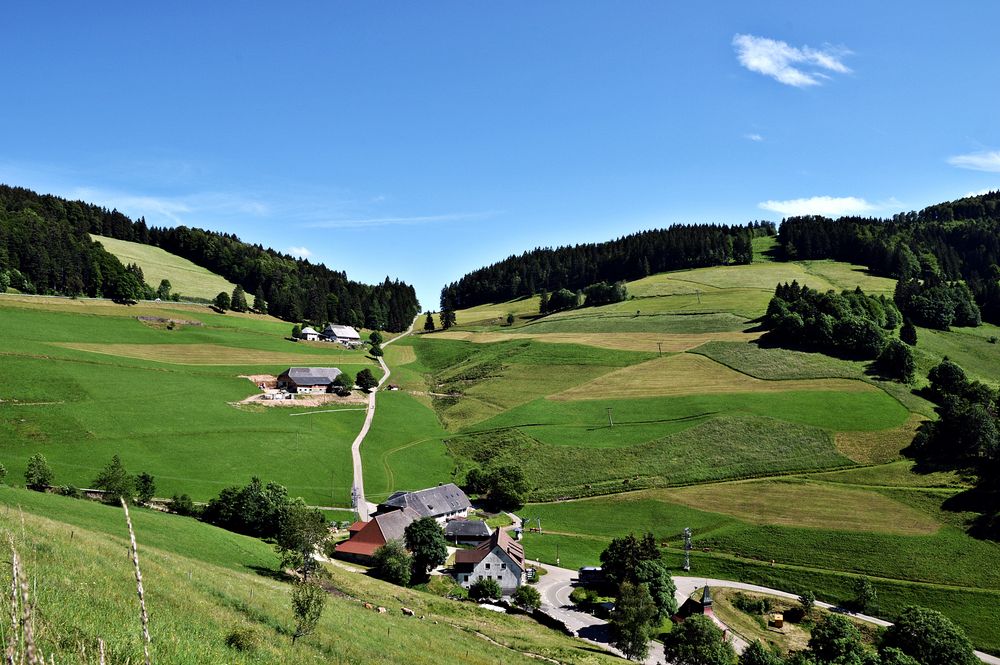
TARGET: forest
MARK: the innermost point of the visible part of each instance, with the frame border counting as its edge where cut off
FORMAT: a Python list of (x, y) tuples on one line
[(957, 240), (577, 267), (45, 248)]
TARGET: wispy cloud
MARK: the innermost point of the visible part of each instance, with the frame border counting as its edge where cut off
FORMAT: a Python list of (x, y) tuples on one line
[(829, 206), (185, 209), (978, 161), (756, 138), (301, 252), (798, 67), (407, 221)]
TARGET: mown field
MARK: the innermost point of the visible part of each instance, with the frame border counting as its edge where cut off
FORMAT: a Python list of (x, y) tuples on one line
[(786, 464), (80, 387), (202, 584), (185, 277)]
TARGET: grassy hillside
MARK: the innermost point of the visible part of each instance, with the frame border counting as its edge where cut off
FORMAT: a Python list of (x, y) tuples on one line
[(203, 583), (157, 264), (81, 387)]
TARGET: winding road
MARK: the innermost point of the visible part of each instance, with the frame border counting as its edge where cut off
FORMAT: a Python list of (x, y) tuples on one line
[(364, 507), (558, 583)]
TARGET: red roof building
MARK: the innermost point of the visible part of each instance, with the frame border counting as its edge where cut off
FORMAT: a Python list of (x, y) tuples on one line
[(366, 537)]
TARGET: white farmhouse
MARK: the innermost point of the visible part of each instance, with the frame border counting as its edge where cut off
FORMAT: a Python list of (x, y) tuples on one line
[(346, 335), (500, 558), (309, 334)]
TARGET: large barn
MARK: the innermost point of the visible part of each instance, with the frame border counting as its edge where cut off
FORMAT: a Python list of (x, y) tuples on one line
[(308, 380)]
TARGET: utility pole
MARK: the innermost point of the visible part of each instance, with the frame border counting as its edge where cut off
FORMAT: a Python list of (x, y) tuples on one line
[(687, 549), (611, 423)]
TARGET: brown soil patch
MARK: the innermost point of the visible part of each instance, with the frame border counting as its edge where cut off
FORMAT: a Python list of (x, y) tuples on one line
[(354, 399), (692, 374), (880, 446), (268, 381)]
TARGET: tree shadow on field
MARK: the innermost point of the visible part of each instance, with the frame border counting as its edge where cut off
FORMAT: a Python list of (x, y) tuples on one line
[(264, 571)]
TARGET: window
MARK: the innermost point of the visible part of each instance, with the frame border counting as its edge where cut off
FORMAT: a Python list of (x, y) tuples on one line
[(503, 566), (466, 578), (487, 566)]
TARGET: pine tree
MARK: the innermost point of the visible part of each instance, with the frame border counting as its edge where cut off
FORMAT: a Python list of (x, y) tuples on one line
[(429, 323), (238, 302), (908, 333)]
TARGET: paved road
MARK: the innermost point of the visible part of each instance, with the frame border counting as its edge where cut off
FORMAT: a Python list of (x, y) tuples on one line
[(365, 508), (556, 586)]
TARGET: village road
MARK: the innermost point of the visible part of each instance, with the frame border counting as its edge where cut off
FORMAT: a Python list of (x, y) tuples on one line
[(556, 586), (364, 507)]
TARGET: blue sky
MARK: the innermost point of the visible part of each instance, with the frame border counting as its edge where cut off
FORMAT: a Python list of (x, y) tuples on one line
[(423, 140)]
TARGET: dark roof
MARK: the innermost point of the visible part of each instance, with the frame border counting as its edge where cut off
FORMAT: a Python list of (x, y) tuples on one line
[(394, 524), (466, 529), (501, 539), (311, 376), (706, 597), (431, 502)]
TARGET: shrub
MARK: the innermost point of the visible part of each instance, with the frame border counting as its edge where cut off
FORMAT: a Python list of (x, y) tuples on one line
[(745, 603), (244, 638), (70, 491), (527, 598), (485, 589), (182, 505)]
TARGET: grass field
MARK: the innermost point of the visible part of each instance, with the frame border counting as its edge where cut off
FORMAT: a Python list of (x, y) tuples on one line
[(205, 583), (174, 421), (636, 341), (185, 277)]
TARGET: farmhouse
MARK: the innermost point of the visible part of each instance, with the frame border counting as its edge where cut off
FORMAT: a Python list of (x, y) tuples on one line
[(308, 380), (443, 502), (366, 537), (461, 531), (500, 558), (346, 335), (309, 334)]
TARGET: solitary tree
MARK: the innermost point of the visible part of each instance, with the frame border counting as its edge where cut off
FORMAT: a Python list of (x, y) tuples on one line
[(510, 318), (429, 323), (698, 641), (38, 475), (145, 487), (375, 338), (865, 595), (296, 331), (633, 621), (836, 640), (222, 301), (366, 380), (308, 601), (656, 577), (908, 333), (508, 487), (527, 598), (238, 302), (376, 351), (425, 540), (807, 601), (392, 563), (448, 318), (116, 482), (929, 637), (301, 530), (163, 290), (485, 589), (344, 380)]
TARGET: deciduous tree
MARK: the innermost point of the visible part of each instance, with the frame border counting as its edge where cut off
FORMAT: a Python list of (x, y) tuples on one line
[(38, 475), (392, 563), (426, 542), (633, 620)]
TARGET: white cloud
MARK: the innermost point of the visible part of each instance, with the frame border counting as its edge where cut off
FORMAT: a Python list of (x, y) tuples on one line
[(391, 221), (829, 206), (301, 252), (756, 138), (159, 210), (799, 67), (978, 161)]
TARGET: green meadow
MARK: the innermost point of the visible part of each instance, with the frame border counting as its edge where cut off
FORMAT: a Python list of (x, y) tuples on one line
[(185, 277), (202, 584), (175, 419)]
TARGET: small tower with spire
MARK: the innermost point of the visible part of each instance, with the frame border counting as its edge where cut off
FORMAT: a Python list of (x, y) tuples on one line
[(706, 602)]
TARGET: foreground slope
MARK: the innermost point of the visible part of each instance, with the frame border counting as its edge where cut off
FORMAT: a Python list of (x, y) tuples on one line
[(202, 584)]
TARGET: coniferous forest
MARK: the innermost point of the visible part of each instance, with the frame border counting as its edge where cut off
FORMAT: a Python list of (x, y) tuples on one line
[(958, 240), (631, 257), (45, 248)]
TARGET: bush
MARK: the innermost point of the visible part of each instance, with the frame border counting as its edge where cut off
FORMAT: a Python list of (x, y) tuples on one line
[(527, 598), (70, 491), (183, 505), (393, 563), (485, 589), (745, 603), (245, 639), (583, 597)]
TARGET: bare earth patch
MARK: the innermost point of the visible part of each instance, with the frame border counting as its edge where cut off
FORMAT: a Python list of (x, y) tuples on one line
[(804, 504), (880, 446), (636, 341), (213, 354), (692, 374)]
